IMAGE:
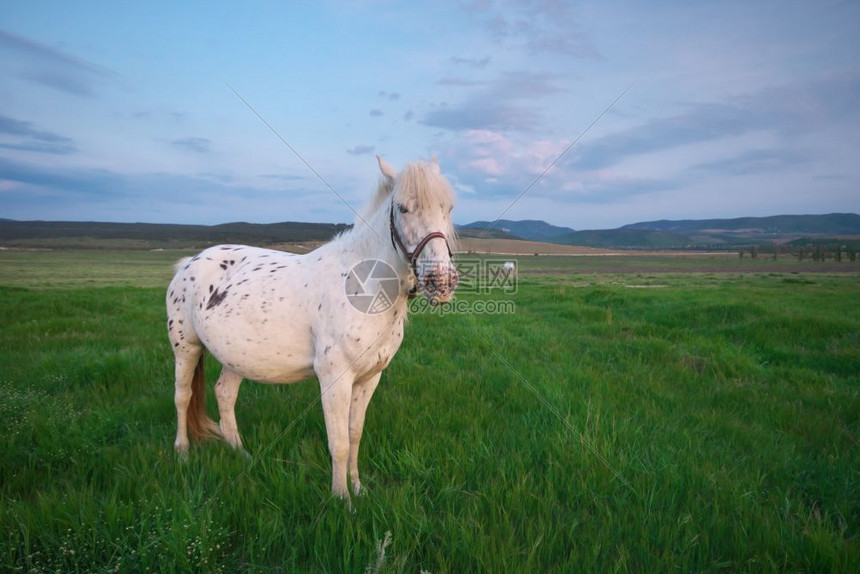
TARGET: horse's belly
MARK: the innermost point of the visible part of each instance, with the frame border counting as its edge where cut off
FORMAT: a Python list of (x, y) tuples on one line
[(275, 353), (281, 374), (267, 363)]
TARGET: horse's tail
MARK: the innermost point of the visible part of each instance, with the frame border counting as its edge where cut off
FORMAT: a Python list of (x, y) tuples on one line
[(200, 426), (180, 264)]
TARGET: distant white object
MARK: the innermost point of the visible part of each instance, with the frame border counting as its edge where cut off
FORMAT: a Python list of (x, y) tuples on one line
[(510, 266)]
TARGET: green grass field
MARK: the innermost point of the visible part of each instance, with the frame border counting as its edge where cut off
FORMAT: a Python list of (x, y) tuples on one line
[(619, 421)]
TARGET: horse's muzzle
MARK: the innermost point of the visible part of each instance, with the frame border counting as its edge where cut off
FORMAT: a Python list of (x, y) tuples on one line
[(439, 284)]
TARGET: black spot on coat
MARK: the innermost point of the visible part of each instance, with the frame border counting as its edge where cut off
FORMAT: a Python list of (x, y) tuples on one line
[(216, 299)]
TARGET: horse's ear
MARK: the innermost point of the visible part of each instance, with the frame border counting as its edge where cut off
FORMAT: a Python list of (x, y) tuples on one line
[(387, 169), (434, 163)]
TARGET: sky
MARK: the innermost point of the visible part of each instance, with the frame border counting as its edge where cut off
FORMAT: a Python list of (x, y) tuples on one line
[(586, 115)]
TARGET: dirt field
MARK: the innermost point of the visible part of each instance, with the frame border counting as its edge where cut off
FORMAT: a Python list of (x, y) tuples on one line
[(519, 247), (784, 268)]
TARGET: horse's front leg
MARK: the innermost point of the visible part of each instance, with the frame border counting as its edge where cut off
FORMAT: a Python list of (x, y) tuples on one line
[(362, 391), (336, 390)]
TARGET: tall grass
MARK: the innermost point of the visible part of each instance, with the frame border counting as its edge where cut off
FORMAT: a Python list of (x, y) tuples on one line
[(694, 422)]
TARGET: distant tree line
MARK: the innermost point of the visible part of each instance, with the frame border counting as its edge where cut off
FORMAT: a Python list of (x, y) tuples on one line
[(811, 251)]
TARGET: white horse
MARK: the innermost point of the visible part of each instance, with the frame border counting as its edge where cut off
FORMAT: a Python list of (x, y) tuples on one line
[(337, 312)]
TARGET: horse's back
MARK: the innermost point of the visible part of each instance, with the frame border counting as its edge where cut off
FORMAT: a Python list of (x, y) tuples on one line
[(216, 268)]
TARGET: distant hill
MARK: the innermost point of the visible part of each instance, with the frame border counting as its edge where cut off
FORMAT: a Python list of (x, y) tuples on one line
[(147, 235), (475, 232), (718, 233), (795, 230), (626, 239), (530, 229), (831, 224)]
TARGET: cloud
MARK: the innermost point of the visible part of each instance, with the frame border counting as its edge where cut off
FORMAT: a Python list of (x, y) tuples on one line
[(41, 147), (457, 81), (538, 26), (361, 149), (754, 161), (609, 188), (74, 182), (788, 112), (505, 104), (50, 192), (374, 113), (219, 177), (504, 166), (47, 66), (831, 177), (281, 176), (480, 115), (771, 137), (471, 62), (198, 145), (496, 155), (392, 96), (407, 117), (159, 115), (501, 165), (515, 85), (10, 125), (700, 123), (32, 139)]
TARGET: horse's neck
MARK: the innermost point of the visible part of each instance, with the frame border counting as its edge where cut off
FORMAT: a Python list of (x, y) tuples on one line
[(371, 239)]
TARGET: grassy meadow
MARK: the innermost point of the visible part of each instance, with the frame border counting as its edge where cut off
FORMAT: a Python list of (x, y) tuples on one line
[(627, 420)]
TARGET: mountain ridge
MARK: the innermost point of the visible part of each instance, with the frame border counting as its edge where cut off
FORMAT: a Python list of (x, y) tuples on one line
[(830, 223), (719, 233), (530, 229), (716, 234)]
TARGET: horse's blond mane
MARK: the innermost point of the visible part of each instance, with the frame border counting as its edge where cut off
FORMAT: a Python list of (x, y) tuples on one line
[(419, 182), (420, 185), (383, 191)]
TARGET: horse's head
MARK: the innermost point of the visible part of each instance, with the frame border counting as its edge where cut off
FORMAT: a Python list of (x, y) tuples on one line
[(420, 224)]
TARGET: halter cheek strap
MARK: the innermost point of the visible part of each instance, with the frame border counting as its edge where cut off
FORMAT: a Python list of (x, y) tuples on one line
[(412, 256)]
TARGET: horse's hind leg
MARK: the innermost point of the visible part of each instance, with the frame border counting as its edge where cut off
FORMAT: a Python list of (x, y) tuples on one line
[(226, 391), (186, 364)]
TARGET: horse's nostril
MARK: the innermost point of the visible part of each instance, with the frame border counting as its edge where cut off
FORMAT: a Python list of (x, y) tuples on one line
[(441, 281), (453, 280)]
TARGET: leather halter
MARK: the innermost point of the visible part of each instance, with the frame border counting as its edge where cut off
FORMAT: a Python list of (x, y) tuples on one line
[(412, 256)]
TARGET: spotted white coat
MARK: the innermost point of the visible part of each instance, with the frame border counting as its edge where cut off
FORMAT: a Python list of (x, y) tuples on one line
[(276, 317)]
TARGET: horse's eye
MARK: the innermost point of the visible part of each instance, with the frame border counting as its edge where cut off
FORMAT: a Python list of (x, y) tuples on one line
[(402, 208)]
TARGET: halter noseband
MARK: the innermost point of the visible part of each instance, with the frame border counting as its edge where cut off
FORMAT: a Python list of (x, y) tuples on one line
[(412, 256)]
